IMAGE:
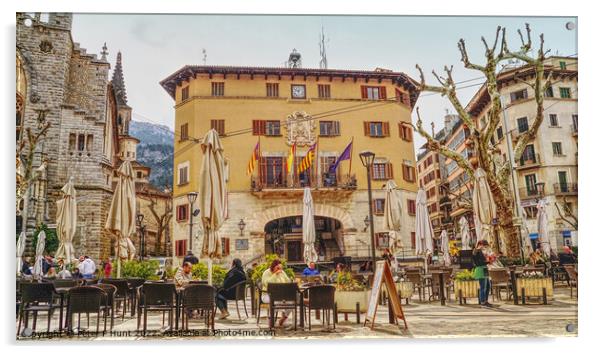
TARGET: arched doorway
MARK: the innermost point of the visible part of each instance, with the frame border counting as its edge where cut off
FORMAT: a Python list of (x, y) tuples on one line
[(284, 237)]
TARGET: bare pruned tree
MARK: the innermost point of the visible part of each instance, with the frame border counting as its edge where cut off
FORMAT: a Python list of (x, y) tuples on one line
[(566, 213), (25, 152), (162, 217)]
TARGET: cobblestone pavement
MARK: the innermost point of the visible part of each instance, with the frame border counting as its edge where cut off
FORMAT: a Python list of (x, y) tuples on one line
[(425, 320)]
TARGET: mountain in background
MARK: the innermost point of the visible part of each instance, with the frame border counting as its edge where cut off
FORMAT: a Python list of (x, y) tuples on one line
[(155, 151)]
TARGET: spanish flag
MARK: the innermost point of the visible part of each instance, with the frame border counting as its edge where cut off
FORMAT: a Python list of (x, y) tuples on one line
[(253, 160), (290, 160), (308, 159)]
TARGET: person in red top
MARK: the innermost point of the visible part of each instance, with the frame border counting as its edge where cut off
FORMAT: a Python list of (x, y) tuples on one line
[(108, 268)]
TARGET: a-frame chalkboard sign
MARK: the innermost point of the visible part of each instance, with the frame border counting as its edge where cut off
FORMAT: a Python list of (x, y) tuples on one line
[(382, 272)]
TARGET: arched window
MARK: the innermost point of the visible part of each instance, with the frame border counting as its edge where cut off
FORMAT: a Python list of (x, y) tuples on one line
[(21, 86)]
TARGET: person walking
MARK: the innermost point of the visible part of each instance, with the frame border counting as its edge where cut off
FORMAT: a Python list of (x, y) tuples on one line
[(235, 275), (480, 271)]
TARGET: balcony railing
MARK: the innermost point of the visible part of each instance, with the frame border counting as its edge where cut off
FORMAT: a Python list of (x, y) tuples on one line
[(565, 188), (528, 192), (328, 182), (530, 161)]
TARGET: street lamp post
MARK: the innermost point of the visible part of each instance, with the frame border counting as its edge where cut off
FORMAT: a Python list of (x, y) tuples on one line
[(139, 219), (367, 158), (241, 226), (191, 199)]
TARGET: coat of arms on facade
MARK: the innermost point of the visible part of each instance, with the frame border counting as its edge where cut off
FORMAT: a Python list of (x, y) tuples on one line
[(300, 129)]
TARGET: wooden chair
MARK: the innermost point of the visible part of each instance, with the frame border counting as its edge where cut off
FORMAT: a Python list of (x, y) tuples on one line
[(500, 279)]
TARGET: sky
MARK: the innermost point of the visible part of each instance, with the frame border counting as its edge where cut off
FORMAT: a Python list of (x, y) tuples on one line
[(153, 46)]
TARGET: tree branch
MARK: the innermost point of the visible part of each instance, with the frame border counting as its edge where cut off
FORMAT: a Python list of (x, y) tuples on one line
[(465, 60)]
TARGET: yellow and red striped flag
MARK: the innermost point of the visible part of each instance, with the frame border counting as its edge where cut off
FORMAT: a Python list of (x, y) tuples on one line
[(308, 159), (290, 160), (253, 160)]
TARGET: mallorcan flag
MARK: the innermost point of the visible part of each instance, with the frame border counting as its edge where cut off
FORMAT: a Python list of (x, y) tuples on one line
[(290, 160), (308, 159), (253, 160)]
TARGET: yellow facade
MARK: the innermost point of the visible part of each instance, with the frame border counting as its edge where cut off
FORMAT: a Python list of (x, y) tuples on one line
[(245, 99)]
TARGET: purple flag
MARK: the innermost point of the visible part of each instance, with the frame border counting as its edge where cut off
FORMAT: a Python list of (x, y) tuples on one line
[(346, 155)]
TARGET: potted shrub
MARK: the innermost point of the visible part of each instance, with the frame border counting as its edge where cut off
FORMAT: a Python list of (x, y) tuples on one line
[(137, 269), (465, 283), (199, 272), (534, 283), (350, 292)]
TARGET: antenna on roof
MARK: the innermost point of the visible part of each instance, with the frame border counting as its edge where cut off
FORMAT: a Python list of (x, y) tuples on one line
[(322, 44), (204, 56)]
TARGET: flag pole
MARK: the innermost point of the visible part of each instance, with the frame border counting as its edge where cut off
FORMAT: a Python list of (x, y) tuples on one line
[(350, 160), (259, 161), (316, 161)]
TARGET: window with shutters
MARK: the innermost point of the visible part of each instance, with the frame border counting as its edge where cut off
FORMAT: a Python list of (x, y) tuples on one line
[(225, 246), (565, 92), (374, 92), (272, 171), (411, 207), (219, 126), (382, 171), (324, 91), (405, 132), (409, 173), (184, 132), (518, 95), (272, 90), (217, 89), (329, 179), (413, 239), (523, 124), (183, 173), (378, 206), (181, 248), (182, 213), (185, 93), (557, 148), (402, 97), (272, 128), (376, 129), (382, 239), (562, 65), (258, 127), (553, 120), (549, 92), (329, 128)]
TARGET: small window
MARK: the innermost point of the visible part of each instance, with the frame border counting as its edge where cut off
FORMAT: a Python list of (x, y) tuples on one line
[(217, 89), (139, 175), (184, 131), (382, 239), (500, 133), (225, 246), (374, 92), (376, 129), (219, 126), (183, 175), (523, 124), (562, 65), (549, 92), (405, 133), (272, 128), (324, 91), (411, 207), (181, 248), (409, 173), (378, 206), (72, 140), (182, 213), (531, 212), (382, 171), (518, 95), (565, 92), (329, 128), (185, 93), (553, 120), (557, 148), (272, 90), (81, 142)]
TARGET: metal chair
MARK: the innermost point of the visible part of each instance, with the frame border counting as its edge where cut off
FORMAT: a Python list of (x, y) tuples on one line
[(123, 295), (134, 285), (36, 297), (85, 299), (108, 307), (157, 297), (198, 297), (321, 297), (283, 296), (240, 294)]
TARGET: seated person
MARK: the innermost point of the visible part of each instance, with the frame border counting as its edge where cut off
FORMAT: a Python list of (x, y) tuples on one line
[(235, 275), (333, 276), (274, 274), (567, 257), (366, 267), (311, 270), (183, 275), (76, 274), (51, 274)]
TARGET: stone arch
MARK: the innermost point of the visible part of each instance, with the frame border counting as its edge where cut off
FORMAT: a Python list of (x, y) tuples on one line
[(31, 75), (260, 219)]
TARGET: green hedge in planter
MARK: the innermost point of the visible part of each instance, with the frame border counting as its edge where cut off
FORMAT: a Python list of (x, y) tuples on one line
[(199, 271), (136, 269), (464, 275)]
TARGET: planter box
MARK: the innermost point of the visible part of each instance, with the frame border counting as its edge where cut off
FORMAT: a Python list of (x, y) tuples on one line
[(346, 300), (405, 289), (534, 287), (470, 288)]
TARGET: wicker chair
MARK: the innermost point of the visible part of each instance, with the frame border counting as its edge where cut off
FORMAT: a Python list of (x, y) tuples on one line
[(65, 283), (108, 307), (240, 294), (572, 278), (85, 299), (260, 302), (157, 297), (123, 295), (500, 279), (134, 285), (321, 297), (198, 297), (283, 296), (36, 297)]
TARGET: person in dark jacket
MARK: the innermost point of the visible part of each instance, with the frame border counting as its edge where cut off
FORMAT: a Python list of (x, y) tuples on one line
[(190, 258), (235, 275), (480, 271), (26, 267)]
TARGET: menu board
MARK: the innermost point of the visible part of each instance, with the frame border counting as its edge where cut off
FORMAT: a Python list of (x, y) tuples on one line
[(382, 272)]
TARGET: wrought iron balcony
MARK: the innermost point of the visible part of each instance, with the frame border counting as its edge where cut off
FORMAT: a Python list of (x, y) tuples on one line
[(528, 192), (529, 162), (346, 182), (565, 188)]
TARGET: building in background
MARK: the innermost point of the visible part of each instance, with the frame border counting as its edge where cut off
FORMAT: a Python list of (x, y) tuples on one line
[(279, 107), (550, 158), (61, 84)]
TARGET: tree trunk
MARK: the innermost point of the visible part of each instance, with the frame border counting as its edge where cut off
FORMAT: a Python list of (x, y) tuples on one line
[(158, 240)]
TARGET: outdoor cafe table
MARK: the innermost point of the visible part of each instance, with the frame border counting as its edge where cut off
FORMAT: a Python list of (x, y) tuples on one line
[(63, 292), (438, 273)]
